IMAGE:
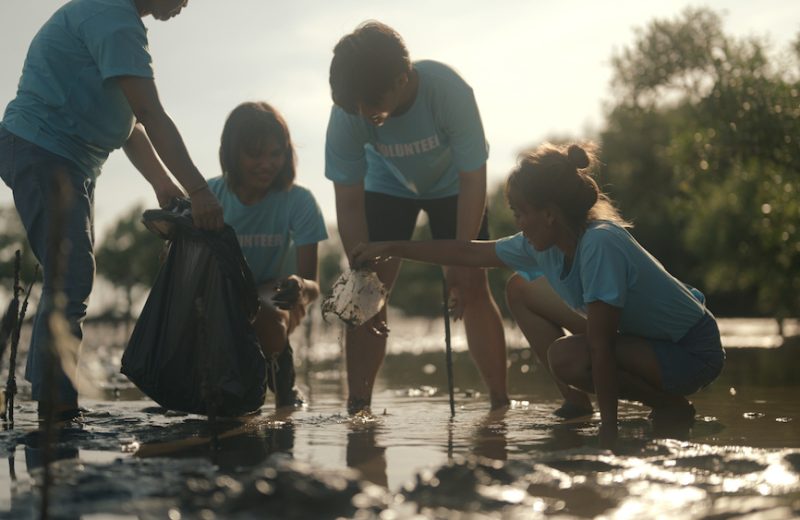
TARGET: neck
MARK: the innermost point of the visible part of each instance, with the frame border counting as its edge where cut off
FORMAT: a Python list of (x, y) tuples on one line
[(249, 196)]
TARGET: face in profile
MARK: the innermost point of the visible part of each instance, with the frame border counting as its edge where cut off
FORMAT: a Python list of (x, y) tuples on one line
[(260, 167), (535, 224), (165, 9)]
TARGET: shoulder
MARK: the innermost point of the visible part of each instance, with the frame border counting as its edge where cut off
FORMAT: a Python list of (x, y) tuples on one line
[(438, 71), (604, 231), (605, 239), (114, 12), (298, 194), (341, 124)]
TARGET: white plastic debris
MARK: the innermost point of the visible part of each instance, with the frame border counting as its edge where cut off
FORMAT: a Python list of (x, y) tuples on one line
[(357, 296)]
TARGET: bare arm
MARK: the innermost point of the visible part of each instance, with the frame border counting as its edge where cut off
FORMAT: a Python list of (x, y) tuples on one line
[(351, 216), (475, 253), (143, 99), (140, 152), (601, 333), (471, 203), (307, 269)]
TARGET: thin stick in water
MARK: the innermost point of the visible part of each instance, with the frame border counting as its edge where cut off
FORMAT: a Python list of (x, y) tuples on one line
[(448, 346)]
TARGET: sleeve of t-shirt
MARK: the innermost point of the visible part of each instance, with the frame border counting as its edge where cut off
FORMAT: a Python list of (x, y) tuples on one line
[(345, 157), (604, 269), (517, 253), (461, 121), (117, 41), (308, 226)]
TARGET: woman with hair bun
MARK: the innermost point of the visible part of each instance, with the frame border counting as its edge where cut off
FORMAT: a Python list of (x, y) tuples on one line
[(638, 333)]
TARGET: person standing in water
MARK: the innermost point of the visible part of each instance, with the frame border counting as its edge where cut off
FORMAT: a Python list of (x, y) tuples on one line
[(278, 224), (646, 336), (87, 88), (402, 138)]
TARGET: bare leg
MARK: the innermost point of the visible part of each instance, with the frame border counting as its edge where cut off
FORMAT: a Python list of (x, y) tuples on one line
[(485, 336), (365, 349), (542, 317), (639, 375)]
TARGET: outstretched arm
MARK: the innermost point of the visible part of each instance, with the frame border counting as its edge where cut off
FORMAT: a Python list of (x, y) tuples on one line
[(162, 132), (475, 253)]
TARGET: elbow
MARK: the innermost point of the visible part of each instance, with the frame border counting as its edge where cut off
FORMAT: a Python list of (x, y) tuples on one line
[(148, 115)]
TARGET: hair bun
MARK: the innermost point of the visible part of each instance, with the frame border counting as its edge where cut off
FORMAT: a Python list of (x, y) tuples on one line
[(577, 157)]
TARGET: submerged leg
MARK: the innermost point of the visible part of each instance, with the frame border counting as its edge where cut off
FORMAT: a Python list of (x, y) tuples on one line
[(281, 379), (485, 336), (365, 348)]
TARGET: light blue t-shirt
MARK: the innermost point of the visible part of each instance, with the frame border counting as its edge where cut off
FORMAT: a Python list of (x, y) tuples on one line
[(418, 154), (67, 101), (270, 231), (611, 266)]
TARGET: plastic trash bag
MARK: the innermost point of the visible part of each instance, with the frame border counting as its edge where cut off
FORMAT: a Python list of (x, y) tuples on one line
[(356, 297), (193, 348)]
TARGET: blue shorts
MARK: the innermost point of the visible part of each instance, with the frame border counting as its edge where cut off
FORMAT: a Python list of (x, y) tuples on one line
[(694, 361)]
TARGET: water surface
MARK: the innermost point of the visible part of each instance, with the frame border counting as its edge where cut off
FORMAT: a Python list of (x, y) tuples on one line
[(130, 459)]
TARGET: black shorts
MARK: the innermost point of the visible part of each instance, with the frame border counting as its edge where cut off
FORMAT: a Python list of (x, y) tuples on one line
[(394, 218)]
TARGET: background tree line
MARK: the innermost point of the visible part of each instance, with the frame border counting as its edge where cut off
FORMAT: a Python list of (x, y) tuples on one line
[(700, 149)]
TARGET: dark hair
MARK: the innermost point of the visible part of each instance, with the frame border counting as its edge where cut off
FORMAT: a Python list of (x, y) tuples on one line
[(248, 129), (365, 65), (561, 175)]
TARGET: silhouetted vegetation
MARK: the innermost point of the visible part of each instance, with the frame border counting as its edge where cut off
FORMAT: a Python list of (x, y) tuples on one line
[(700, 149)]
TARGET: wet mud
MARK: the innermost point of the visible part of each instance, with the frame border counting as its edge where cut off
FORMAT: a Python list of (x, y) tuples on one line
[(128, 458)]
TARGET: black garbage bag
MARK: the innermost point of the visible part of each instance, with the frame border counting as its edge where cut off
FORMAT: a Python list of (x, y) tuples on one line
[(193, 348)]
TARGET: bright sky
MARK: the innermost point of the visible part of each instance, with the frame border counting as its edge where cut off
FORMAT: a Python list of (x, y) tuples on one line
[(538, 68)]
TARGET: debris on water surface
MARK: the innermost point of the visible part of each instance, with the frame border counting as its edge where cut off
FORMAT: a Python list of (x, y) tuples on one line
[(356, 297)]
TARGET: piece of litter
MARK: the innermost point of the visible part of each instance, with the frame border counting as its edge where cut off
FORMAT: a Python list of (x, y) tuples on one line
[(357, 296)]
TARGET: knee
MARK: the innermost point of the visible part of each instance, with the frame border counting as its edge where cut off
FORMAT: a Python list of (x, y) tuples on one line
[(564, 359), (475, 288)]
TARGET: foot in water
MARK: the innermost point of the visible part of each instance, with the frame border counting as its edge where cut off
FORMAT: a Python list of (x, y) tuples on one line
[(570, 410), (293, 397), (356, 405), (61, 413)]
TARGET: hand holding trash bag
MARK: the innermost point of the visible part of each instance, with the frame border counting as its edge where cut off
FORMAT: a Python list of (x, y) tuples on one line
[(193, 348)]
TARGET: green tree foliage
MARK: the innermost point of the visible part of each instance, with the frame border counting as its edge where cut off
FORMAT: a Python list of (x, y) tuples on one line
[(702, 149), (128, 257)]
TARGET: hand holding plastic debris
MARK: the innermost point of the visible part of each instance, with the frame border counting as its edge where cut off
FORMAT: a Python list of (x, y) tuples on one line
[(357, 296)]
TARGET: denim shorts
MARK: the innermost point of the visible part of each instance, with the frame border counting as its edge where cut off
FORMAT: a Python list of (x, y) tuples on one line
[(694, 361)]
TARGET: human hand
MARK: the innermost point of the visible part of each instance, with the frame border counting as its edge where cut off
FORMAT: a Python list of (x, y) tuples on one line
[(206, 210), (166, 191), (368, 253), (458, 280), (377, 326), (288, 292)]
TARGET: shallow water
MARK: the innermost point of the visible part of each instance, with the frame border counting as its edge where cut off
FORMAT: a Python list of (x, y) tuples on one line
[(129, 459)]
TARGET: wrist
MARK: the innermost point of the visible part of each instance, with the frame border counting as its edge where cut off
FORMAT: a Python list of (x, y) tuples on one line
[(197, 189)]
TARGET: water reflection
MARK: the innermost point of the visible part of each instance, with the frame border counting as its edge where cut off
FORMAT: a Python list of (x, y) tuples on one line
[(229, 444), (490, 436), (740, 457), (365, 455)]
